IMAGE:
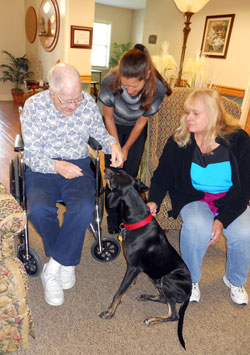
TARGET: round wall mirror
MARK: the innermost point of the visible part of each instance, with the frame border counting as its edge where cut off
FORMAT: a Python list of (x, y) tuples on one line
[(48, 24)]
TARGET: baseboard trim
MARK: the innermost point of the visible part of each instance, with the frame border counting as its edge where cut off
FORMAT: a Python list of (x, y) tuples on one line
[(226, 90), (6, 98), (86, 79)]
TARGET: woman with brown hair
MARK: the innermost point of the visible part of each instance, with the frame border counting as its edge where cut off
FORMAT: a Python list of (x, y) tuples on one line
[(130, 94)]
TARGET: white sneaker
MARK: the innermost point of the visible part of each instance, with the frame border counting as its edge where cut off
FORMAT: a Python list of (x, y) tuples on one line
[(67, 276), (196, 294), (237, 293), (53, 292)]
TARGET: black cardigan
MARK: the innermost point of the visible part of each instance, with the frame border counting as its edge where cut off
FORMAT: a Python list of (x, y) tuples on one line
[(173, 176)]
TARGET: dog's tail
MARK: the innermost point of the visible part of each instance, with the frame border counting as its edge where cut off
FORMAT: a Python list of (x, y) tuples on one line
[(180, 322)]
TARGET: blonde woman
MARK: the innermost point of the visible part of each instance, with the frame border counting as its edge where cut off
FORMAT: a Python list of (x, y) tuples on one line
[(205, 168)]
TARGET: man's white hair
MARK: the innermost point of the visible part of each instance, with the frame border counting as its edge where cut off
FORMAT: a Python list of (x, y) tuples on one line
[(62, 75)]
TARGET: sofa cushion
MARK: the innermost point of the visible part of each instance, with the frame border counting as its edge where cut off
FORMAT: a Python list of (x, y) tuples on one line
[(12, 221), (16, 323)]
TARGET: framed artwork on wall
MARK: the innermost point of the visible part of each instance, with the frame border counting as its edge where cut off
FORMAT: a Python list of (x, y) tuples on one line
[(81, 37), (152, 39), (216, 36)]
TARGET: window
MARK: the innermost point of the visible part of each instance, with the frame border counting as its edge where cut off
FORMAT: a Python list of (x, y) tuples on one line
[(101, 44)]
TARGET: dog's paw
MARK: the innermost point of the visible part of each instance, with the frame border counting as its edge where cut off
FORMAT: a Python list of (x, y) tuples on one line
[(143, 297), (147, 322), (106, 314)]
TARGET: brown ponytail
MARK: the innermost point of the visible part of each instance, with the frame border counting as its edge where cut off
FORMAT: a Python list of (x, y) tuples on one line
[(137, 63)]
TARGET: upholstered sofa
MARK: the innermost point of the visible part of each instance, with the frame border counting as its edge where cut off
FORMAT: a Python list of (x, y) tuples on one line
[(161, 127), (15, 316)]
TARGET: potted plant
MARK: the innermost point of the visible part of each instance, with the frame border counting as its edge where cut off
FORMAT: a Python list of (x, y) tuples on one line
[(16, 71), (116, 52)]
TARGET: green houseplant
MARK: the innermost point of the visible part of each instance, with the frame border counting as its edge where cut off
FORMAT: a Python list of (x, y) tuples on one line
[(116, 51), (16, 71)]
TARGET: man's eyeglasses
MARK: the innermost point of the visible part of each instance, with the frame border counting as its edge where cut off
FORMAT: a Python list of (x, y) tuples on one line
[(67, 103)]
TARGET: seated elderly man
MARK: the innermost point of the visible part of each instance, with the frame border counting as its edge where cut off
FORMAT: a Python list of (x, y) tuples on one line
[(56, 126)]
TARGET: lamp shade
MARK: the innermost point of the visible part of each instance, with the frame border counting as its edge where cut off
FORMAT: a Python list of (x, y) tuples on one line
[(190, 5)]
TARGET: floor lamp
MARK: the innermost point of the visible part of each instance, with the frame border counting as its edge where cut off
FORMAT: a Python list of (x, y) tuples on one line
[(188, 8)]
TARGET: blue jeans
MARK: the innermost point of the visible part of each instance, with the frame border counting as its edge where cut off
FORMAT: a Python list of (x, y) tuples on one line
[(196, 233), (63, 243)]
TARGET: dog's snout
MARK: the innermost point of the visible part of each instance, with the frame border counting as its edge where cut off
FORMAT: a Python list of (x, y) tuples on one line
[(108, 173)]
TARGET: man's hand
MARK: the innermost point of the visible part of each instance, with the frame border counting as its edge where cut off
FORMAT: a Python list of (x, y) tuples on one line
[(153, 207), (117, 157), (216, 231), (67, 170)]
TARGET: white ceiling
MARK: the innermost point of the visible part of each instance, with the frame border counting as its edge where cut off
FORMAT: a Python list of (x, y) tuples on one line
[(129, 4)]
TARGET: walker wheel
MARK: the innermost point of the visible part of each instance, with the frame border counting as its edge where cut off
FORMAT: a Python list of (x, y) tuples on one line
[(33, 265), (110, 249)]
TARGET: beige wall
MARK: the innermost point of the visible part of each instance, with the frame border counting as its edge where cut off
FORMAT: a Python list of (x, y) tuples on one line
[(42, 60), (12, 36), (233, 71), (72, 12), (163, 18), (79, 13), (120, 19), (137, 26)]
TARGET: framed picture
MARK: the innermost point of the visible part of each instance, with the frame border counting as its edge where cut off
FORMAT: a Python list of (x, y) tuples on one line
[(152, 39), (81, 37), (216, 36)]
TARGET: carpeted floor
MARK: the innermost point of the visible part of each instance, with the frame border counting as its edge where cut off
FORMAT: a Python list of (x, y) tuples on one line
[(214, 326)]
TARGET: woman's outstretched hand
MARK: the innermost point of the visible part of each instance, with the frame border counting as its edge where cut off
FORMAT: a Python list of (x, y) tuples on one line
[(153, 207)]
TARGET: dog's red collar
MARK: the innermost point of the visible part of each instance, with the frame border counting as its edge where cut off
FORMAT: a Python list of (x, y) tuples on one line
[(139, 224)]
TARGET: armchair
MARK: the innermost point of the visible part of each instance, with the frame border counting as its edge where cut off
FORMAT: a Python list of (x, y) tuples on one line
[(161, 126), (15, 316)]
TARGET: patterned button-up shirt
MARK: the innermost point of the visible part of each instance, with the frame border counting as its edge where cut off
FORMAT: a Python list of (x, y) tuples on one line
[(49, 135)]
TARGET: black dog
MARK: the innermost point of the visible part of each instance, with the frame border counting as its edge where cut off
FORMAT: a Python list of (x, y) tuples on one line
[(147, 250)]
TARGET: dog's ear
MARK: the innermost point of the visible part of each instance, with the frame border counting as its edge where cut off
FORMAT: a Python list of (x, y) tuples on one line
[(140, 186), (113, 198)]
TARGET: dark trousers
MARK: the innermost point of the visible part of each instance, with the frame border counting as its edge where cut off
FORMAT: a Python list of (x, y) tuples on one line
[(131, 165), (63, 243)]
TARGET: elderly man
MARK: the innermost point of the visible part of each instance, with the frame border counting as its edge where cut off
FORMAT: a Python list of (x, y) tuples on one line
[(56, 126)]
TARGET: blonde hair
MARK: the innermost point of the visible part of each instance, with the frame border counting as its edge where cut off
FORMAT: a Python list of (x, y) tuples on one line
[(221, 123)]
